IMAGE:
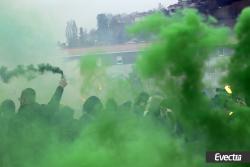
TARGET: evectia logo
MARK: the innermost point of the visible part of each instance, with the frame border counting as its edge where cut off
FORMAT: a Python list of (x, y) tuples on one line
[(224, 158)]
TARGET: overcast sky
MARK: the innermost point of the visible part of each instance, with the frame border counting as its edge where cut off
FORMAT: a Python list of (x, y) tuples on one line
[(58, 12), (85, 11)]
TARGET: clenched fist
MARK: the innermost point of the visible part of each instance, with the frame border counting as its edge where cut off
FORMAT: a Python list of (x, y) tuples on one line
[(63, 83)]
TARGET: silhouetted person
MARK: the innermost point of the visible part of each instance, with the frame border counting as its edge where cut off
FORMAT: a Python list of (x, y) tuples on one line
[(7, 115), (91, 108), (7, 129), (30, 109), (7, 108), (92, 105), (141, 103), (28, 104), (34, 124)]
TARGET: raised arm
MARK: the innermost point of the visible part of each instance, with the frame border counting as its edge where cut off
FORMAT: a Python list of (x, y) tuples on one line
[(56, 98)]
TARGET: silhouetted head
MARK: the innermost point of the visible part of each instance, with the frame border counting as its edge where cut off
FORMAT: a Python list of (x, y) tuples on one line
[(92, 105), (7, 107), (28, 96)]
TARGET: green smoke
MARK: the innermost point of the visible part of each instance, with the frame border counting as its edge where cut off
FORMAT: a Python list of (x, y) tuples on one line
[(240, 63), (88, 64), (176, 62), (120, 141), (178, 58), (97, 81), (93, 75)]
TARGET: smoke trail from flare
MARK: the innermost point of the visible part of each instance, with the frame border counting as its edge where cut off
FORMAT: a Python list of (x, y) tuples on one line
[(29, 72)]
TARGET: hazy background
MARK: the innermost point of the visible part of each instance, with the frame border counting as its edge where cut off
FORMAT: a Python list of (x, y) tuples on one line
[(83, 11), (30, 29)]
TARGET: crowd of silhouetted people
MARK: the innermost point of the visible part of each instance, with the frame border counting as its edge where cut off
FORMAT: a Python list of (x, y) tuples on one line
[(55, 114), (32, 125), (62, 117)]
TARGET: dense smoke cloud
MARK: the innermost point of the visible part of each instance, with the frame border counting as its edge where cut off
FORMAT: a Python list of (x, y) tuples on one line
[(124, 134), (240, 66), (177, 62)]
